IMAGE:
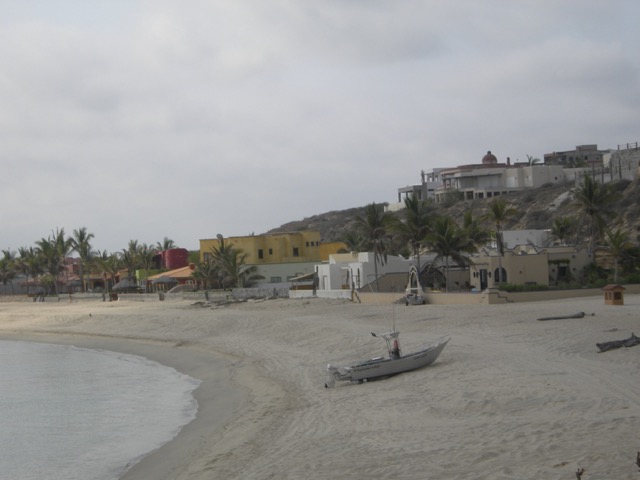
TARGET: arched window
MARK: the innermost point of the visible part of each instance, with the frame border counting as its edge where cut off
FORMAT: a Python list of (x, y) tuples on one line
[(503, 275)]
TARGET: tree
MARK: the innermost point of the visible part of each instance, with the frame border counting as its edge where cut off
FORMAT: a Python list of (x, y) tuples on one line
[(353, 240), (499, 213), (449, 241), (413, 229), (130, 258), (81, 244), (29, 264), (7, 268), (617, 243), (533, 160), (110, 265), (562, 228), (594, 199), (474, 231), (166, 244), (230, 265), (373, 229), (52, 253)]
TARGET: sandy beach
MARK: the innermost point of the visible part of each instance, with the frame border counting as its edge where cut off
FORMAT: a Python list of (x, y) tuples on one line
[(510, 397)]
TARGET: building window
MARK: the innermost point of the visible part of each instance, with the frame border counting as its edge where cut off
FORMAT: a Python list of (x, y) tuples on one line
[(260, 253), (271, 251), (296, 253), (307, 244), (276, 279)]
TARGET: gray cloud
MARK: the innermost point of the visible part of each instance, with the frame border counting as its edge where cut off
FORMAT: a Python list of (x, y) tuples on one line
[(146, 119)]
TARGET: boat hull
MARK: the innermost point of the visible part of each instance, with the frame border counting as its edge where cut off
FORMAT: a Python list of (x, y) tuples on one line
[(385, 367)]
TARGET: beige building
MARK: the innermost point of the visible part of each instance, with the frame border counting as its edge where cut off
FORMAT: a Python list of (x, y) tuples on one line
[(527, 265)]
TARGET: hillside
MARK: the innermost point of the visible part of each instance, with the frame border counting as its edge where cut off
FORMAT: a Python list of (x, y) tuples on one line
[(537, 210)]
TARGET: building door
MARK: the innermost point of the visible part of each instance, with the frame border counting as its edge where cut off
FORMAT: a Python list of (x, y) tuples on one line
[(483, 279)]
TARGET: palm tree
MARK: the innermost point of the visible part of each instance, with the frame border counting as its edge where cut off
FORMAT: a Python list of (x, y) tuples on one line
[(562, 228), (594, 200), (532, 160), (8, 268), (230, 265), (110, 264), (207, 272), (81, 244), (413, 229), (166, 244), (475, 233), (50, 251), (449, 241), (29, 264), (373, 229), (617, 243), (499, 213), (353, 240), (130, 258)]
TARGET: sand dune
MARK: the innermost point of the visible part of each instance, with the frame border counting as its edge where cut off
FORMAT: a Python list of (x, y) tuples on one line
[(509, 398)]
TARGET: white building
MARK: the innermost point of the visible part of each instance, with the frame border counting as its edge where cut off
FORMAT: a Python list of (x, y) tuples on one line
[(357, 270)]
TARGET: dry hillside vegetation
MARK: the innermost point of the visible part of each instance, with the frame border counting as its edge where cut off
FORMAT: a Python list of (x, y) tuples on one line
[(537, 209)]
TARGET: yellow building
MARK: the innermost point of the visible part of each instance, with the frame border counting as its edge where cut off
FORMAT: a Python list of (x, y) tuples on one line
[(279, 256)]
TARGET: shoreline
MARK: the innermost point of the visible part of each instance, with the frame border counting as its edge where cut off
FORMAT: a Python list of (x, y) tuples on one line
[(218, 400), (511, 396)]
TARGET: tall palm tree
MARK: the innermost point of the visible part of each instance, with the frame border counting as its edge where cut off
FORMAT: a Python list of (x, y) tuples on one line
[(51, 253), (414, 227), (29, 264), (130, 258), (81, 244), (617, 243), (8, 267), (109, 264), (594, 199), (449, 241), (500, 212), (474, 231), (373, 229), (166, 244)]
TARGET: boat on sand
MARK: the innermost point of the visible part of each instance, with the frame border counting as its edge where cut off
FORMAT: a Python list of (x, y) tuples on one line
[(386, 366)]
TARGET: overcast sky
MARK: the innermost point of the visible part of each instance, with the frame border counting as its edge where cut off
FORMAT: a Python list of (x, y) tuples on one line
[(141, 119)]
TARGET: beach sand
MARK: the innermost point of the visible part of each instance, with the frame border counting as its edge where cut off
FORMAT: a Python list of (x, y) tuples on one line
[(510, 397)]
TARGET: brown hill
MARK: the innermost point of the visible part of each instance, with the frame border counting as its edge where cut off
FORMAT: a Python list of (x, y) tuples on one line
[(537, 209)]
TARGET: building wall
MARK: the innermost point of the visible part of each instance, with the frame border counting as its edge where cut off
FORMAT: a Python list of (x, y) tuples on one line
[(272, 248), (358, 270)]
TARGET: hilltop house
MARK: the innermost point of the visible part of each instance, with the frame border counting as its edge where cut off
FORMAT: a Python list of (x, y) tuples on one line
[(486, 179)]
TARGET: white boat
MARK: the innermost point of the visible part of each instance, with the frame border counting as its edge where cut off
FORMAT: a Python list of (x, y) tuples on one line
[(393, 364)]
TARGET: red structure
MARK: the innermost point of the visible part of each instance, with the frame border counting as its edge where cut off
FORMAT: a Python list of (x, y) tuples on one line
[(175, 258)]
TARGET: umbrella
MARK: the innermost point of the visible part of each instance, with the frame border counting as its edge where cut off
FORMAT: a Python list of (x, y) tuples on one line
[(126, 284), (164, 280)]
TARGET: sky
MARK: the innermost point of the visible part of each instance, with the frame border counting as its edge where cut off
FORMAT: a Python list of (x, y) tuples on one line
[(146, 119)]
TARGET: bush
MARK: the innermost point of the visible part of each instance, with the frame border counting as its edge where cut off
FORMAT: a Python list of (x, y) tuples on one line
[(514, 288)]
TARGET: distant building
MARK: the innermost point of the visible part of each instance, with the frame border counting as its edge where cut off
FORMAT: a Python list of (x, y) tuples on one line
[(581, 156), (486, 179), (491, 178), (279, 257)]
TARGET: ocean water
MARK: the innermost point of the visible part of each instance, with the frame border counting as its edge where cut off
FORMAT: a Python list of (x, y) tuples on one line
[(72, 413)]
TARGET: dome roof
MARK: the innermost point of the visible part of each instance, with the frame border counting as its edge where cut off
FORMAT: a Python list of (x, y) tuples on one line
[(489, 159)]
